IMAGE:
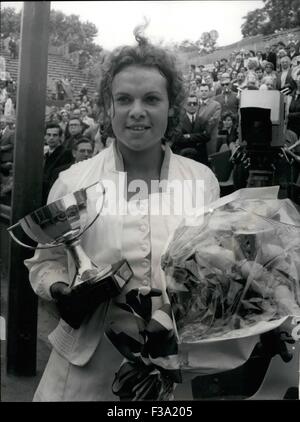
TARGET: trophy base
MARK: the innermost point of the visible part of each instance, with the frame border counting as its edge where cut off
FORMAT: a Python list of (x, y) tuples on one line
[(93, 289)]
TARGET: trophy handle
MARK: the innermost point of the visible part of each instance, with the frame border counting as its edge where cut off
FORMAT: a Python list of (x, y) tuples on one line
[(33, 248)]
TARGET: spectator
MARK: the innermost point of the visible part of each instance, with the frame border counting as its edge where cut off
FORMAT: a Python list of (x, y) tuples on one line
[(84, 116), (227, 99), (65, 116), (259, 74), (246, 57), (233, 75), (74, 131), (281, 53), (82, 150), (9, 110), (6, 144), (12, 47), (268, 83), (293, 53), (68, 107), (239, 84), (214, 87), (251, 72), (85, 101), (271, 56), (78, 103), (251, 81), (269, 71), (55, 118), (209, 113), (260, 57), (83, 91), (193, 87), (67, 86), (238, 63), (95, 106), (294, 109), (3, 94), (228, 132), (224, 63), (60, 92), (55, 157), (243, 69), (193, 139), (192, 72), (215, 70), (285, 81)]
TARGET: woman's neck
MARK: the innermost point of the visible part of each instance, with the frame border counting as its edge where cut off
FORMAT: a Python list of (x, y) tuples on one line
[(146, 162)]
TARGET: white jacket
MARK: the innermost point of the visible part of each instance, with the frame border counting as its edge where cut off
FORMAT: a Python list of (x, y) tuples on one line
[(102, 242)]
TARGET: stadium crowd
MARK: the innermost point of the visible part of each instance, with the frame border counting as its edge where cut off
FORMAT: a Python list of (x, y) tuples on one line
[(209, 122)]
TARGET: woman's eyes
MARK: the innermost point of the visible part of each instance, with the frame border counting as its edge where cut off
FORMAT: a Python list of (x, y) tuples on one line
[(124, 100), (152, 99)]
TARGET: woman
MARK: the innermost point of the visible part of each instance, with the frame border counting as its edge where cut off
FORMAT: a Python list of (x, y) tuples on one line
[(260, 57), (269, 71), (141, 93), (267, 83), (228, 132)]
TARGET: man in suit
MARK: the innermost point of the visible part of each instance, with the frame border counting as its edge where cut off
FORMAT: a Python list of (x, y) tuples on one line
[(82, 150), (7, 136), (6, 144), (271, 55), (55, 157), (74, 130), (285, 81), (209, 113), (193, 138), (227, 99)]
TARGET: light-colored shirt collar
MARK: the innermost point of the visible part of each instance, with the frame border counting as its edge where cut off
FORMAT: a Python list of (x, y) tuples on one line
[(164, 171), (190, 116)]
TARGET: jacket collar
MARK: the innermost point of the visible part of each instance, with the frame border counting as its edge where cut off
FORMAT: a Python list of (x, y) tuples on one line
[(114, 162)]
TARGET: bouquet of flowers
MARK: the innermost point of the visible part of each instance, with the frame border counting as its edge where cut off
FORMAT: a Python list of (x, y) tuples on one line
[(233, 277)]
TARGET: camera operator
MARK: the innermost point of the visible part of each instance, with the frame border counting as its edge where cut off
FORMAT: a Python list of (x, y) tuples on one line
[(294, 109), (292, 149)]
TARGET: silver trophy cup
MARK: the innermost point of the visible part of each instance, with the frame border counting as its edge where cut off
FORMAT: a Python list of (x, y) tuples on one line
[(62, 223)]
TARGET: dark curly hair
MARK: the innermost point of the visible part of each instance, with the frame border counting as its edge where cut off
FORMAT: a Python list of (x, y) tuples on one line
[(144, 54)]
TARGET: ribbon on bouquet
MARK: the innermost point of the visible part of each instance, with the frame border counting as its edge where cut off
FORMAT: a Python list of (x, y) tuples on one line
[(148, 342)]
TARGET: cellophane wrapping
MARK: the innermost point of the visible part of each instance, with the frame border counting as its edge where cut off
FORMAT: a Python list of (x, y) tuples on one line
[(233, 277)]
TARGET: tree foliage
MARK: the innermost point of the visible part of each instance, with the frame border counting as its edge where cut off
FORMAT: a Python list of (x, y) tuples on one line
[(63, 29), (276, 15), (204, 45), (10, 22)]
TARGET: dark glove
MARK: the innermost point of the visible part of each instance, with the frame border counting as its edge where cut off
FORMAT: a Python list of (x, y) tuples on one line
[(79, 302), (274, 343)]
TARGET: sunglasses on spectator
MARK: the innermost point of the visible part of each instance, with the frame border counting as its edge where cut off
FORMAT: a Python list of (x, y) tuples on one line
[(225, 84), (192, 103)]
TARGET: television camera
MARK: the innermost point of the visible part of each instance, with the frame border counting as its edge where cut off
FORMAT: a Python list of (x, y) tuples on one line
[(262, 157)]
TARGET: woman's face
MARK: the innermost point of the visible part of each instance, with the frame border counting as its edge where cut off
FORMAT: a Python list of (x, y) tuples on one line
[(140, 107), (228, 122), (269, 84), (268, 69)]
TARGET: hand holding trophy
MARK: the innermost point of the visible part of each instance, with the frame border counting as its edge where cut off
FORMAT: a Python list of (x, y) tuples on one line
[(60, 223)]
